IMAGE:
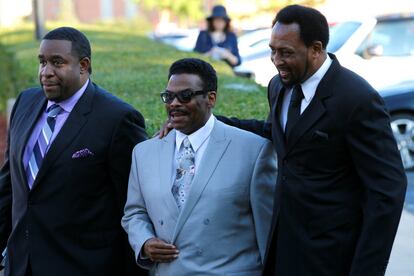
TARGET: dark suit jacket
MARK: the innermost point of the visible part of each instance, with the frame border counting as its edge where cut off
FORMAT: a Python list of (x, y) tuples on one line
[(69, 222), (341, 184)]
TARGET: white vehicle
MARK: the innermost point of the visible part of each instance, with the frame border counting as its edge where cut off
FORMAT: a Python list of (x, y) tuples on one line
[(255, 55), (251, 42), (379, 49), (182, 39)]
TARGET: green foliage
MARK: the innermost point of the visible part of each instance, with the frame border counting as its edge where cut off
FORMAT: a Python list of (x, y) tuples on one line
[(16, 45), (183, 9), (6, 77), (135, 69), (266, 5), (195, 10)]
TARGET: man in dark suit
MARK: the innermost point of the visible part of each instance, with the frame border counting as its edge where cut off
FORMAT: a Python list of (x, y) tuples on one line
[(64, 182), (341, 184)]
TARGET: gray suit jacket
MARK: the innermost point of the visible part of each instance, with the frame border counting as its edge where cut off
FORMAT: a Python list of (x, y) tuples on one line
[(224, 225)]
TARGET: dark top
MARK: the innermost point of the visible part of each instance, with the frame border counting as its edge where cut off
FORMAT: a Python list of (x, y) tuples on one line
[(341, 184), (69, 222), (205, 43)]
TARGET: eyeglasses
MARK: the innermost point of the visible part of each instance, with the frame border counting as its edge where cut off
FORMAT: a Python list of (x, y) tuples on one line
[(183, 96)]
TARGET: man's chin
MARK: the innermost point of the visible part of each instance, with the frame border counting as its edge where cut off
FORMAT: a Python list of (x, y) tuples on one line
[(178, 121), (177, 126), (288, 83), (52, 96), (182, 128)]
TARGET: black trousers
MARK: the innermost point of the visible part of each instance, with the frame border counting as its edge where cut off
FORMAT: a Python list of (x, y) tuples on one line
[(29, 270)]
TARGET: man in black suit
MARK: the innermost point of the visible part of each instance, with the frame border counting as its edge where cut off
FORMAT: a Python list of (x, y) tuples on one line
[(341, 184), (64, 182)]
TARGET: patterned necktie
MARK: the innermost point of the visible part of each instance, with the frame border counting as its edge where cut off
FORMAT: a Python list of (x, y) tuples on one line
[(184, 174), (294, 109), (42, 144)]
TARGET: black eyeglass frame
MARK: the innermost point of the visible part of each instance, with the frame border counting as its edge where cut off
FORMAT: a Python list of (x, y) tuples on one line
[(168, 96)]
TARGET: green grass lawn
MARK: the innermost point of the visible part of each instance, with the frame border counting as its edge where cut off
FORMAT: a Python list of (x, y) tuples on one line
[(131, 66)]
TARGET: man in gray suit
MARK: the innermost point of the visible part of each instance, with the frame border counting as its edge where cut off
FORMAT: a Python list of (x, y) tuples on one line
[(200, 199)]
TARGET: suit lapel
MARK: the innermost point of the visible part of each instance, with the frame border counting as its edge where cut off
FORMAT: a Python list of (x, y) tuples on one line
[(215, 149), (279, 137), (28, 123), (74, 123), (316, 108), (308, 118), (166, 159)]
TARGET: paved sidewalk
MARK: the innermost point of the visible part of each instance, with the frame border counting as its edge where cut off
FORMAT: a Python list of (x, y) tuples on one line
[(402, 256)]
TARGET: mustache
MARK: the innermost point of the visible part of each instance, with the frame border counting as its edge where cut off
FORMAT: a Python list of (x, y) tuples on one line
[(177, 110)]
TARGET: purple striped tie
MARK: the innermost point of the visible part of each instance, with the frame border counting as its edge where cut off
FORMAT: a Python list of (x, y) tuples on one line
[(42, 144)]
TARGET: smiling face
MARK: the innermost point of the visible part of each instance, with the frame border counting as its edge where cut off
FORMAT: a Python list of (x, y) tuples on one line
[(294, 61), (189, 117), (61, 73)]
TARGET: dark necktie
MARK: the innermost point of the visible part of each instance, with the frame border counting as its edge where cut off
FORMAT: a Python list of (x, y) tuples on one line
[(294, 109), (42, 144)]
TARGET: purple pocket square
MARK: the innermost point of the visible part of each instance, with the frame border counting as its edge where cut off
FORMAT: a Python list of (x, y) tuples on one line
[(82, 153)]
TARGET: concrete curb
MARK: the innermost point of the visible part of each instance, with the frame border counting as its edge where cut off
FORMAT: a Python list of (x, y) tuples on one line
[(402, 255)]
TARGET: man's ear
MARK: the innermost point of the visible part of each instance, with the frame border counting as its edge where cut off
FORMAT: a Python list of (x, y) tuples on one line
[(212, 96), (84, 63), (317, 48)]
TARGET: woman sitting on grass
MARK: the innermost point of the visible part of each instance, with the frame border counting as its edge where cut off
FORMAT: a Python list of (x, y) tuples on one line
[(219, 42)]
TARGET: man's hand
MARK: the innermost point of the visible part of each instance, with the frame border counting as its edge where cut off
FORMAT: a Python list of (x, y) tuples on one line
[(165, 129), (159, 251), (225, 53)]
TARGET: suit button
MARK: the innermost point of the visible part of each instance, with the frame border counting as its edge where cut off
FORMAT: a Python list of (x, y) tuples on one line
[(161, 222), (284, 177), (285, 161), (199, 252), (206, 221), (27, 233)]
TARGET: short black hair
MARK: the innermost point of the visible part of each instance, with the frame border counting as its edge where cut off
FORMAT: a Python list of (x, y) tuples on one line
[(312, 24), (80, 44), (197, 67)]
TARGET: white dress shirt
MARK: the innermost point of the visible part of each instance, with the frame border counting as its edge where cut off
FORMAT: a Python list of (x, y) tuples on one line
[(199, 141), (308, 88)]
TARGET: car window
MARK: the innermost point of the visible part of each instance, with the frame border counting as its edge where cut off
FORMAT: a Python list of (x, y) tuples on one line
[(389, 38), (339, 33)]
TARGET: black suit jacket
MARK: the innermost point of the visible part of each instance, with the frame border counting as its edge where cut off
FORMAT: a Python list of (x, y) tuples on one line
[(341, 184), (69, 222)]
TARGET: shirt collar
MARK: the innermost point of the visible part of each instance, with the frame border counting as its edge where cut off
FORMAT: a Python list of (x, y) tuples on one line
[(68, 104), (310, 85), (198, 137)]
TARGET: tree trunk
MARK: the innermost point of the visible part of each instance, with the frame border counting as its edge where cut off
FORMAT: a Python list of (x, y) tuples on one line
[(39, 19)]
